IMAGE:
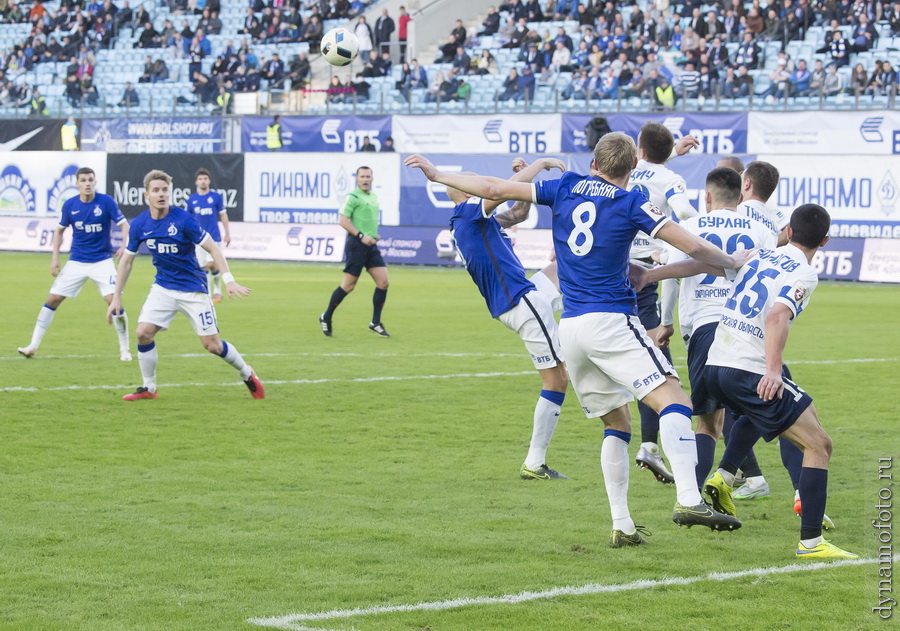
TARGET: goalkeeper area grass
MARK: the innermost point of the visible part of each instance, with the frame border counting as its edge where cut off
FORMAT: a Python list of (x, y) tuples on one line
[(376, 486)]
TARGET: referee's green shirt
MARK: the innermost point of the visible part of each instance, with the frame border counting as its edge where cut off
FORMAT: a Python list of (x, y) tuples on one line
[(362, 210)]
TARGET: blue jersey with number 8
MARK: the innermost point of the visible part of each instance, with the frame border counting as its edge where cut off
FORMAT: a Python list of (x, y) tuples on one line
[(594, 224)]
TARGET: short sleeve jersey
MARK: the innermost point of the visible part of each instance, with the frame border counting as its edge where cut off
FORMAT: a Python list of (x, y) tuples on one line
[(594, 223), (488, 255), (703, 296), (207, 208), (773, 218), (171, 241), (362, 210), (91, 222), (774, 276), (661, 186)]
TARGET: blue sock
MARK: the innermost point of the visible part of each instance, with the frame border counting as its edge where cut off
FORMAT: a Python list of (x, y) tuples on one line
[(743, 436), (792, 459), (813, 492), (750, 466), (649, 424), (706, 455)]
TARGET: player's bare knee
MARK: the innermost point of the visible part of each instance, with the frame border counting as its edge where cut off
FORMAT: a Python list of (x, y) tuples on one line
[(212, 344), (54, 300), (383, 284), (556, 378), (144, 334)]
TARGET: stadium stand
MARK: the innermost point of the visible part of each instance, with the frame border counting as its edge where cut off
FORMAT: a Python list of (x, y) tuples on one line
[(637, 57)]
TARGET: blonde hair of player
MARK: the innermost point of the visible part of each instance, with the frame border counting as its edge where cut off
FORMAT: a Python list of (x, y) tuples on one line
[(615, 155), (156, 174)]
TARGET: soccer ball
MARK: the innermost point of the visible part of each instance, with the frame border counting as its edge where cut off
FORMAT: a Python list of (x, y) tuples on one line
[(339, 47)]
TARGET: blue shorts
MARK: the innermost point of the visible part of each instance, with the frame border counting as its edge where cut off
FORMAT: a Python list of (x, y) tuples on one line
[(648, 307), (358, 255), (737, 389), (698, 349)]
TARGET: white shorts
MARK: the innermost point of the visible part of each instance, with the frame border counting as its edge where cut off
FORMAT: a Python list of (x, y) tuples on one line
[(611, 360), (548, 290), (204, 257), (532, 319), (74, 275), (162, 304)]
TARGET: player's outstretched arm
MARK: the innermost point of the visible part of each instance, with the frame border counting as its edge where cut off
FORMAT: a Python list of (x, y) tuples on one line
[(778, 322), (57, 244), (231, 287), (523, 173), (122, 274), (700, 249), (482, 186), (125, 227)]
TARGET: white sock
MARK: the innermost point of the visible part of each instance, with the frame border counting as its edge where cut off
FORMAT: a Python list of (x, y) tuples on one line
[(232, 356), (728, 477), (796, 495), (755, 481), (681, 447), (546, 415), (614, 462), (147, 360), (215, 282), (45, 317), (811, 543), (121, 324)]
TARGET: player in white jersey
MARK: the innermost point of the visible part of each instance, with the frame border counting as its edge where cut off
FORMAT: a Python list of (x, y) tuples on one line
[(746, 371), (91, 215), (702, 298), (668, 191)]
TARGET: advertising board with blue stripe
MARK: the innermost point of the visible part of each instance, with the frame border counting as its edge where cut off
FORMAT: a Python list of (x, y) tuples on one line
[(37, 183), (318, 133), (499, 133), (825, 133), (717, 133), (862, 194), (311, 187), (424, 203), (154, 135)]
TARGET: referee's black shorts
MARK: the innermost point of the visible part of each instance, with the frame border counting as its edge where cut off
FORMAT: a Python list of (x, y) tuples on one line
[(358, 255)]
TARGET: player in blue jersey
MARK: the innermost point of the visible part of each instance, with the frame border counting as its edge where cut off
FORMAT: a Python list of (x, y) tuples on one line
[(746, 371), (609, 357), (487, 251), (171, 235), (208, 207), (91, 215)]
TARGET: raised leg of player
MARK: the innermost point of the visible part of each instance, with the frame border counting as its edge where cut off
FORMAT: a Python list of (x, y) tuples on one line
[(792, 459), (228, 352), (615, 466), (380, 276), (148, 356), (750, 467), (44, 319), (674, 408), (347, 285), (709, 428), (546, 414)]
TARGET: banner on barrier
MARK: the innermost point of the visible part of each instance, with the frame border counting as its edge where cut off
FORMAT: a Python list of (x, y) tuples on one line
[(880, 261), (825, 133), (305, 133), (424, 203), (840, 259), (153, 135), (41, 134), (310, 188), (37, 183), (472, 134), (717, 133), (125, 182), (861, 191)]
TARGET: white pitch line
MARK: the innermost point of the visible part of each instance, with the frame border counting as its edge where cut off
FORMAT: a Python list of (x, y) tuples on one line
[(294, 622), (472, 375), (109, 356)]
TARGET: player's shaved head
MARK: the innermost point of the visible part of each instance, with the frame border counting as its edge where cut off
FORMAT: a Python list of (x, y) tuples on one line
[(731, 162), (724, 186), (809, 225), (615, 155), (456, 195), (656, 141), (763, 178)]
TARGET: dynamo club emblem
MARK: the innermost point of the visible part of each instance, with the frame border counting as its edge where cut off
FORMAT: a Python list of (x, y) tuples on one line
[(16, 194), (64, 188)]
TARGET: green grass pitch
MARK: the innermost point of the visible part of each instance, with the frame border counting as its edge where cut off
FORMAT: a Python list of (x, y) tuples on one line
[(206, 508)]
